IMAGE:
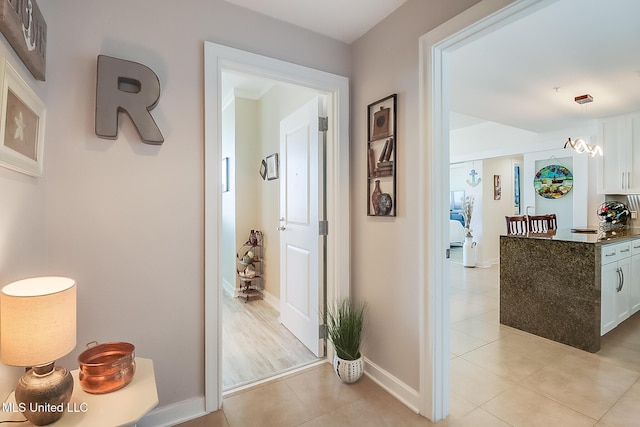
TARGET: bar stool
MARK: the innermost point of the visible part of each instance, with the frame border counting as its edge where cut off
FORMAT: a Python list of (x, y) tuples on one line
[(517, 224), (542, 223)]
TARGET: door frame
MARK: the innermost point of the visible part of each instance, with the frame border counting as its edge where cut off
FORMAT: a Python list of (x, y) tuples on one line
[(434, 82), (220, 58)]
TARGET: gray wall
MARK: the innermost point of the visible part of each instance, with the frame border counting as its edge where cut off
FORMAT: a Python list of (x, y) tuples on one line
[(384, 251), (22, 220), (126, 219)]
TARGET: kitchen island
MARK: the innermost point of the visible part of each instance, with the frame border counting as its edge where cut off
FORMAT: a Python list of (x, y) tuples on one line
[(552, 284)]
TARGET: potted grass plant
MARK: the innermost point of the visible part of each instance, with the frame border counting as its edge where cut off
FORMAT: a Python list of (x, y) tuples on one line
[(345, 322)]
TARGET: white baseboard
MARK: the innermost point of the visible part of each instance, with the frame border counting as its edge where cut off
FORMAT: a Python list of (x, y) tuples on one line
[(176, 413), (405, 394), (488, 263), (273, 301)]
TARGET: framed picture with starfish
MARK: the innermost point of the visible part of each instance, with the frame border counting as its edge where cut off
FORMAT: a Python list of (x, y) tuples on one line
[(22, 119)]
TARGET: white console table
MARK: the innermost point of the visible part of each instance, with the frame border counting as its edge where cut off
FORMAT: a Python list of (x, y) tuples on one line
[(124, 407)]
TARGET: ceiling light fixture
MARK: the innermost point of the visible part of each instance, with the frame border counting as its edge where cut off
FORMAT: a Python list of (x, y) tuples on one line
[(583, 99), (580, 146)]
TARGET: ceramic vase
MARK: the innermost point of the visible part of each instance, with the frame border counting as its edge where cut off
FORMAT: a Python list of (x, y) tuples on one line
[(375, 198), (349, 371), (469, 252)]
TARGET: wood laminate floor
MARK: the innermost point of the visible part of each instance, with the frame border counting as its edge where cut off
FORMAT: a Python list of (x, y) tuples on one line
[(255, 344)]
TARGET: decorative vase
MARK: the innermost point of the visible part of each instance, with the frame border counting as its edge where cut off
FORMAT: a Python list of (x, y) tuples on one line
[(349, 371), (385, 204), (469, 252), (375, 198)]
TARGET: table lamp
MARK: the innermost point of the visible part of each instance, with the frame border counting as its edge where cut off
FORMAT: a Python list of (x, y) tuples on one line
[(38, 326)]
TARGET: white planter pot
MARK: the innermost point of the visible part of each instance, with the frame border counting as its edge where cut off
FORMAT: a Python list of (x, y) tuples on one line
[(349, 371)]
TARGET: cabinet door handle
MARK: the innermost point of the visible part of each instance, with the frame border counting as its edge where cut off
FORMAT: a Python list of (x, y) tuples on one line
[(620, 280), (628, 179), (622, 180), (624, 250)]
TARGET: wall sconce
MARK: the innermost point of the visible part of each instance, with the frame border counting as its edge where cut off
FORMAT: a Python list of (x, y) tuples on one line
[(582, 147), (38, 326)]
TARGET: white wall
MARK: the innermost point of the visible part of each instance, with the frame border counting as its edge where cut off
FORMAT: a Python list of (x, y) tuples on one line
[(460, 179), (22, 222), (384, 258), (572, 211), (494, 211), (247, 166), (479, 142), (489, 139), (127, 219)]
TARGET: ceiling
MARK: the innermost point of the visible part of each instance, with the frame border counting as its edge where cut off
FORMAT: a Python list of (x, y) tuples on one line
[(344, 20), (525, 74)]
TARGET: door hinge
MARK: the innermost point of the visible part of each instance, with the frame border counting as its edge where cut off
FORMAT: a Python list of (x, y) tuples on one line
[(323, 228), (323, 124), (322, 332), (447, 254)]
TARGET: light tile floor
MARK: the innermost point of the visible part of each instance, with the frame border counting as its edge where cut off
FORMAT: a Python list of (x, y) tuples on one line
[(499, 377)]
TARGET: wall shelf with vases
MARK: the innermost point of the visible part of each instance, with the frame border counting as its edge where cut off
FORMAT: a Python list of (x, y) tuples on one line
[(381, 157)]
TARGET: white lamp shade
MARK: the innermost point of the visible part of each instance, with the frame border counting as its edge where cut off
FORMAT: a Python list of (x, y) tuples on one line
[(37, 320)]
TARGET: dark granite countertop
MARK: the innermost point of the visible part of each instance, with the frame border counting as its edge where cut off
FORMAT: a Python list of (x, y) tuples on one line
[(599, 237)]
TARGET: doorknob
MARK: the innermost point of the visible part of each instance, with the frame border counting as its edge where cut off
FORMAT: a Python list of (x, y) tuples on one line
[(281, 228)]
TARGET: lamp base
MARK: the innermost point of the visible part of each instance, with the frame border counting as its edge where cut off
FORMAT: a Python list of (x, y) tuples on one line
[(43, 392)]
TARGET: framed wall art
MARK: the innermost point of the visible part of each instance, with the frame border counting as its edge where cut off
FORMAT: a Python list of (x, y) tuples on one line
[(22, 120), (553, 181), (381, 157), (263, 169), (272, 166)]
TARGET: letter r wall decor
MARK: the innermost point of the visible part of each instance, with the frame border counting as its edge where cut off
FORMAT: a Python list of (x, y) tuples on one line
[(126, 86)]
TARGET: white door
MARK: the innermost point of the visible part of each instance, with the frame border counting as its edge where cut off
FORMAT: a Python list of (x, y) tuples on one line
[(301, 207)]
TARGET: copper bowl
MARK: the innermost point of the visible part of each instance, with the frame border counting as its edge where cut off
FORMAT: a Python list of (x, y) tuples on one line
[(106, 367)]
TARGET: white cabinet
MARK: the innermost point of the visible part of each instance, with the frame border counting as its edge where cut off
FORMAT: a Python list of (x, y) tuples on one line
[(620, 283), (634, 281), (622, 290), (619, 166)]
